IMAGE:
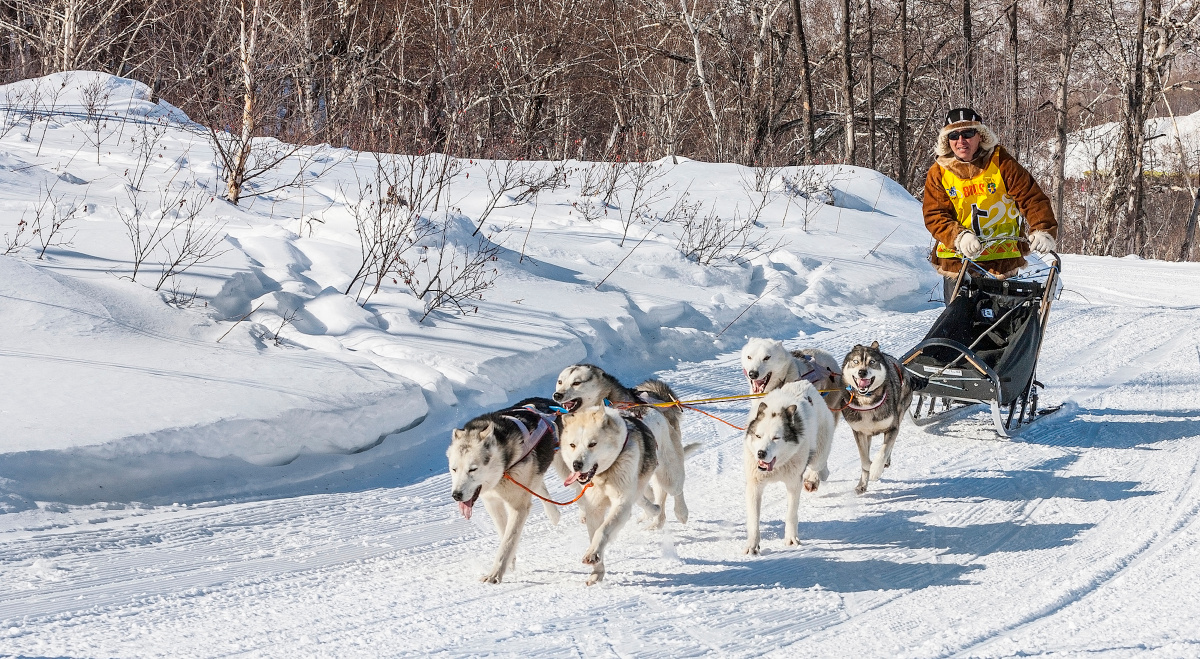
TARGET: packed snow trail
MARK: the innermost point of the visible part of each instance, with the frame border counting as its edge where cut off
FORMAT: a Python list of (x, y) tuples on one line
[(1079, 537)]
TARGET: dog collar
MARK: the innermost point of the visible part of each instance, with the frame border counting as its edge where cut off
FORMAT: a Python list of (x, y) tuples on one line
[(852, 406), (530, 439)]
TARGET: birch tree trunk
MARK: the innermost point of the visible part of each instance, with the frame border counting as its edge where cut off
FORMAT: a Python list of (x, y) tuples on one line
[(848, 84), (1014, 102), (871, 157), (247, 47), (709, 99), (902, 101), (1058, 152)]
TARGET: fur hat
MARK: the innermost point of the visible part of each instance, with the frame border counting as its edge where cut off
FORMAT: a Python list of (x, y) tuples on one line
[(959, 119)]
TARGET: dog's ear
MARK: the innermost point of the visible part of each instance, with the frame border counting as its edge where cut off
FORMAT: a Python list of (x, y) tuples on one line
[(875, 345), (791, 411), (488, 431), (456, 435)]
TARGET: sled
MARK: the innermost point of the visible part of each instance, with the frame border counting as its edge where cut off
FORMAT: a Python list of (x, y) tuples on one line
[(983, 349)]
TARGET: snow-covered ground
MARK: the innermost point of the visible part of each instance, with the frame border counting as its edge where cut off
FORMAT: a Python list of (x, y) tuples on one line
[(166, 494)]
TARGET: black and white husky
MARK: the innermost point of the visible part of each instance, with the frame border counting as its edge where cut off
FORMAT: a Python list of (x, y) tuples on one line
[(614, 457), (519, 442), (583, 385), (787, 440), (880, 395)]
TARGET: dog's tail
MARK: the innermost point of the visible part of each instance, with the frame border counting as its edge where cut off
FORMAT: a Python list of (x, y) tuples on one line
[(659, 390), (691, 448)]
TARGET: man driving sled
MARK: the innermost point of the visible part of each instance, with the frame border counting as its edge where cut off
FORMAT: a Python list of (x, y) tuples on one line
[(981, 203)]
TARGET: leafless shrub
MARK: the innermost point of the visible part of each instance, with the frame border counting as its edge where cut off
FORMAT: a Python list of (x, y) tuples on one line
[(94, 96), (507, 176), (813, 185), (390, 216), (189, 241), (443, 275), (179, 297), (19, 240), (46, 106), (708, 238), (52, 218), (16, 108), (639, 179), (286, 319)]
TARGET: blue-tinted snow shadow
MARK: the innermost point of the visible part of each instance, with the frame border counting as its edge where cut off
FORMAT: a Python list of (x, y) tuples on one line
[(800, 570), (1037, 482), (1109, 428)]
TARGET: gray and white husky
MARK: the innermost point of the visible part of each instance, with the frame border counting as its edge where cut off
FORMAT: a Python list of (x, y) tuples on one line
[(520, 441), (583, 385), (785, 436), (880, 395), (617, 456)]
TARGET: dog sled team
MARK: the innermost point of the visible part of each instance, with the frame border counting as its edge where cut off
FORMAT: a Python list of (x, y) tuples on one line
[(617, 447)]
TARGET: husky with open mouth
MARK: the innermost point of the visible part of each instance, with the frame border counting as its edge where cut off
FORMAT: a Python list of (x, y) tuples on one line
[(521, 443), (768, 366), (881, 392), (613, 457), (786, 434), (583, 385)]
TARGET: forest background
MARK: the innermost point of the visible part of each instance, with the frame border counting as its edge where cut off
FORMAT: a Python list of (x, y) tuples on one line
[(763, 83)]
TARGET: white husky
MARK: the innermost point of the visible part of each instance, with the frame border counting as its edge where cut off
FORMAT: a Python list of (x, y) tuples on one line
[(769, 366), (615, 455), (786, 437), (583, 385)]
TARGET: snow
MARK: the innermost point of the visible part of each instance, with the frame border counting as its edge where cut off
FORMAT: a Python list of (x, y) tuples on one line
[(1092, 149), (163, 493)]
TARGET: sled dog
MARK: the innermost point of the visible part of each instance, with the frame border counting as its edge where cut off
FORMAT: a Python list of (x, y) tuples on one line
[(784, 437), (880, 395), (617, 455), (519, 441), (584, 385), (768, 366)]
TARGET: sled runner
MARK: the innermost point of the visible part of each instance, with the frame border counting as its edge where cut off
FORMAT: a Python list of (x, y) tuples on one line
[(984, 349)]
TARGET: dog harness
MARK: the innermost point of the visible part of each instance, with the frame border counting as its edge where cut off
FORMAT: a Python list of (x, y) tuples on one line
[(530, 439), (817, 372), (983, 206)]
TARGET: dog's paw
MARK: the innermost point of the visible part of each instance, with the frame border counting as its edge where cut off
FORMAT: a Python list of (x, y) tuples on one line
[(494, 577), (811, 486), (791, 542), (861, 488), (751, 549), (591, 558), (594, 579)]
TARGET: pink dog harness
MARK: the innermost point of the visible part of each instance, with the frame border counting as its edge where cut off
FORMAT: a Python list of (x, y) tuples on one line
[(530, 439)]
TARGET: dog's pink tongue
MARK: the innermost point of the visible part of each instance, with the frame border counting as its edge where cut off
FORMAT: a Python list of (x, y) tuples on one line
[(572, 478), (769, 466), (759, 385), (863, 384), (465, 508)]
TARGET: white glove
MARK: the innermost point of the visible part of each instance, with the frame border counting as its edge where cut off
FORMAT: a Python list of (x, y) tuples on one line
[(967, 244), (1041, 242)]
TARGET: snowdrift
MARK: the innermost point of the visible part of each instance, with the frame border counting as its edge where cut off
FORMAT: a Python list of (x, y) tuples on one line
[(252, 371)]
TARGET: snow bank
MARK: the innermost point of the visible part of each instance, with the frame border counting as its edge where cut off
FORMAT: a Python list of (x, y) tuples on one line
[(270, 361)]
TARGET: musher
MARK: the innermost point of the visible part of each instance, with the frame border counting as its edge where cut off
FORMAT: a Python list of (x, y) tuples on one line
[(982, 204)]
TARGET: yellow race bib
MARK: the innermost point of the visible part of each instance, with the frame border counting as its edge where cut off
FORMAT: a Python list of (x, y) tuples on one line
[(982, 205)]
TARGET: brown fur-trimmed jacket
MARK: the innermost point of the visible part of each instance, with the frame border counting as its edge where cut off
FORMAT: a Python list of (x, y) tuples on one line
[(943, 222)]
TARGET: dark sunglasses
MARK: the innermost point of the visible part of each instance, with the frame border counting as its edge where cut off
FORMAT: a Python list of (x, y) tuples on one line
[(966, 134)]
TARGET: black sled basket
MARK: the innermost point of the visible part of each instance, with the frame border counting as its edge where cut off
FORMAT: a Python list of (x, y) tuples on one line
[(984, 348)]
